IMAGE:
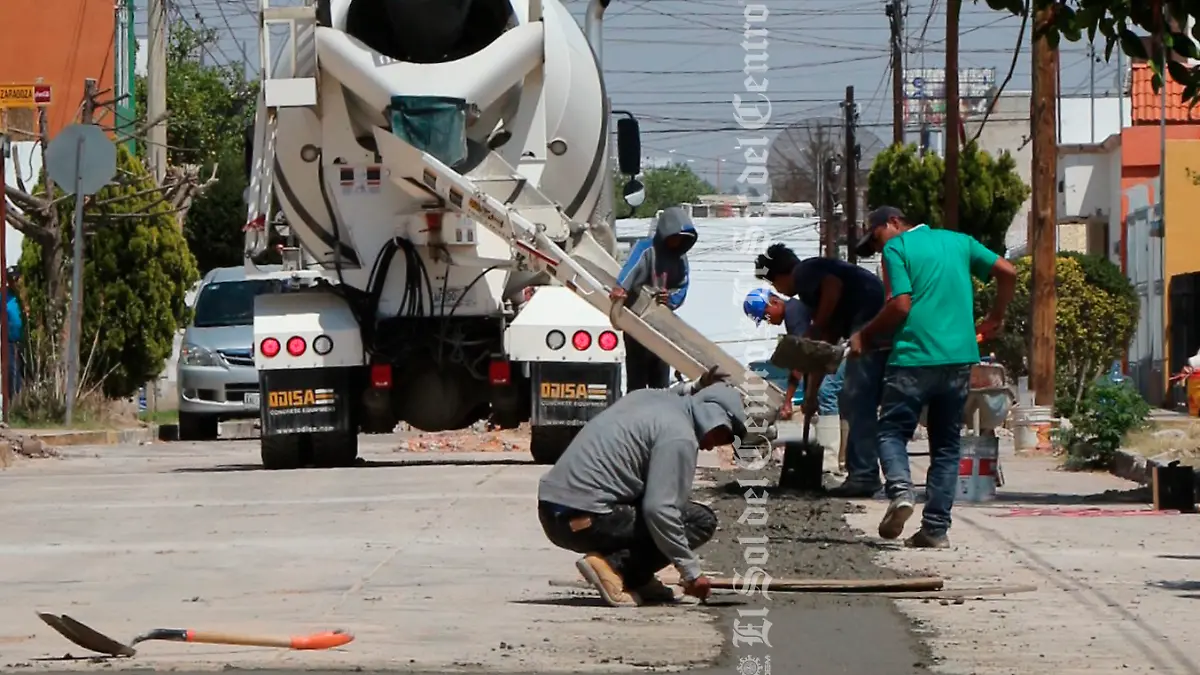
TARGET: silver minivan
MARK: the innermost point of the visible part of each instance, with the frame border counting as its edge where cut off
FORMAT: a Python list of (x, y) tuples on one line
[(216, 375)]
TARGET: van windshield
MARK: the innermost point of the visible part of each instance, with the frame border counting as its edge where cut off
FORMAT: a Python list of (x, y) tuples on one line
[(230, 303)]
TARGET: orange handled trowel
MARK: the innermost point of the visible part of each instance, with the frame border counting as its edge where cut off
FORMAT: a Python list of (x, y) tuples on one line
[(95, 641)]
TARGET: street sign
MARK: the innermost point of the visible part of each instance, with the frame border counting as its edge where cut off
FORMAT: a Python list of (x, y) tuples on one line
[(24, 95), (81, 152)]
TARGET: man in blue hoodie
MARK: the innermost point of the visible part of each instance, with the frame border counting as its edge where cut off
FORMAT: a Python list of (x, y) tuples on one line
[(659, 266), (621, 493)]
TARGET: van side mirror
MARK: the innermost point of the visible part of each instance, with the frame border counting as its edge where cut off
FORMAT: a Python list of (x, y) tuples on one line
[(629, 146)]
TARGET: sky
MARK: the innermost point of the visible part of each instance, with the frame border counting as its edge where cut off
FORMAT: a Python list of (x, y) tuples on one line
[(678, 64)]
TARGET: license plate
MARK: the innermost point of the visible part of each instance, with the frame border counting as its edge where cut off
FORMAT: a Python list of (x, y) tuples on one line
[(252, 399)]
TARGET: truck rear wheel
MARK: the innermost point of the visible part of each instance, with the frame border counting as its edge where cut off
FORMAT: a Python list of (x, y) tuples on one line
[(547, 444), (286, 451), (335, 449)]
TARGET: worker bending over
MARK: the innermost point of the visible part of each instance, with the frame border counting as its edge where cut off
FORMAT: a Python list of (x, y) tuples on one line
[(620, 494), (659, 265), (931, 312), (762, 304), (841, 298)]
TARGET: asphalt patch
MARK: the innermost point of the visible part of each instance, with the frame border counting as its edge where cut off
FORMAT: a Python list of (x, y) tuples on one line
[(800, 535)]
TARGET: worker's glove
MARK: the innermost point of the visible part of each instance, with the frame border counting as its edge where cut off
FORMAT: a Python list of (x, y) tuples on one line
[(712, 376)]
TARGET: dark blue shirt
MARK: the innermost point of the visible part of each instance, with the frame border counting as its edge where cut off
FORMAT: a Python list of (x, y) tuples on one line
[(796, 318), (862, 292)]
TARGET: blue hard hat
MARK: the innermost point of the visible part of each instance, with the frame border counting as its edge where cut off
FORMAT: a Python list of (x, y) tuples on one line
[(756, 303)]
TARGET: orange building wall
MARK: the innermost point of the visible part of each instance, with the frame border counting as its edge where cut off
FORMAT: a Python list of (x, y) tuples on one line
[(63, 42)]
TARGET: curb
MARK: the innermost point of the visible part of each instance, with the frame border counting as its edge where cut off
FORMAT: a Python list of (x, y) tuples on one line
[(1134, 467), (109, 437)]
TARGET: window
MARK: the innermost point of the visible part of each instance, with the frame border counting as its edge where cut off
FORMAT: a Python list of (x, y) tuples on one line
[(230, 303)]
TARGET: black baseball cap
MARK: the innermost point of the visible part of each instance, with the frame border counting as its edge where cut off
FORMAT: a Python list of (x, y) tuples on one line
[(877, 219)]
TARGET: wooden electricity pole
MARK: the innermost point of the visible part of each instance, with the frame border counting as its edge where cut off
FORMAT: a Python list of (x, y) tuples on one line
[(1043, 222), (953, 115), (895, 12), (850, 167)]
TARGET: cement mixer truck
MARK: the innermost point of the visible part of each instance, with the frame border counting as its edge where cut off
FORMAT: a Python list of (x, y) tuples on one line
[(445, 163)]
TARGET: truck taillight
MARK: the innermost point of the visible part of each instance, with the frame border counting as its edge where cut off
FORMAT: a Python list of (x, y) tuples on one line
[(296, 346), (381, 375), (607, 341), (581, 340), (500, 372), (555, 340), (269, 347)]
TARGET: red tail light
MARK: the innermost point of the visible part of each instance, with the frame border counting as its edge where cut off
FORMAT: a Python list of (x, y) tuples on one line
[(581, 339), (296, 346), (381, 375), (607, 341), (500, 372), (269, 347)]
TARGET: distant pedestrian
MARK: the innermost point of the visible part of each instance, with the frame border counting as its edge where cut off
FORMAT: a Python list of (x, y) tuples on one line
[(16, 334), (931, 312), (657, 265)]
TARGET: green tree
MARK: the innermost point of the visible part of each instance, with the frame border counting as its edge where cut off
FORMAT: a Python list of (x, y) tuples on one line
[(1115, 23), (210, 107), (990, 193), (665, 187), (136, 271)]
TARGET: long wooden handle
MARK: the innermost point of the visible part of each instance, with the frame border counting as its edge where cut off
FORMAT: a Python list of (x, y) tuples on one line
[(326, 640), (844, 585)]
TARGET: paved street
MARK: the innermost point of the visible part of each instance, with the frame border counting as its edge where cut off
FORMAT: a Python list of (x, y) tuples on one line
[(438, 567)]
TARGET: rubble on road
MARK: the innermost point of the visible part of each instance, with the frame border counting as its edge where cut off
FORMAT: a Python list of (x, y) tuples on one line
[(477, 438), (14, 444)]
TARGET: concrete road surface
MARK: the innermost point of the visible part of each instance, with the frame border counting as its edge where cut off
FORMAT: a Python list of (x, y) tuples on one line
[(433, 567)]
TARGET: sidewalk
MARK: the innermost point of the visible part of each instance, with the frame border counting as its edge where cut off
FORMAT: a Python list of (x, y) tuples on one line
[(1115, 593)]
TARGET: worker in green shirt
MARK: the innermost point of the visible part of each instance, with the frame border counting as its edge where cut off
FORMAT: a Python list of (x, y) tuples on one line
[(930, 313)]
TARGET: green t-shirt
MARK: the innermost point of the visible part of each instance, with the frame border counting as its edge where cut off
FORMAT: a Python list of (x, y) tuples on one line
[(935, 267)]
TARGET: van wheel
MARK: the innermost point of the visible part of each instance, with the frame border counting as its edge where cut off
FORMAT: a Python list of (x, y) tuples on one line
[(547, 444), (283, 452), (335, 449), (195, 427)]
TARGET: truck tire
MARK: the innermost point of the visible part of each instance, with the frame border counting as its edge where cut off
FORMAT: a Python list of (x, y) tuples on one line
[(335, 449), (283, 452), (547, 444), (195, 427)]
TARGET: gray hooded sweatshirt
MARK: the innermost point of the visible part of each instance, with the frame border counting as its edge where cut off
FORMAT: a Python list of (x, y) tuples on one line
[(642, 451)]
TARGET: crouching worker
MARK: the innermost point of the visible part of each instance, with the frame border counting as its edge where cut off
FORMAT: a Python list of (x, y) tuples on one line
[(620, 494)]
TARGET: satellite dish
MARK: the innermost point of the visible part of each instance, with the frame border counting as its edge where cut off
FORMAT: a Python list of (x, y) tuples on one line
[(799, 153)]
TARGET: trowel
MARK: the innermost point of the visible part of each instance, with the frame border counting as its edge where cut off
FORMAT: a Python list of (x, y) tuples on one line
[(95, 641)]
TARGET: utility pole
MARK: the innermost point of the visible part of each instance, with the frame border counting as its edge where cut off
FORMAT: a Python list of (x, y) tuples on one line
[(895, 12), (1043, 223), (850, 166), (75, 318), (5, 346), (953, 116), (829, 229), (156, 88)]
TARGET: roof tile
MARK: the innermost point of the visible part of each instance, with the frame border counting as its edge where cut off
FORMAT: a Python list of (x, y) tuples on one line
[(1147, 104)]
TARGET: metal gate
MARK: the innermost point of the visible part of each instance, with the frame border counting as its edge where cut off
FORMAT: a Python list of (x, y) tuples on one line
[(1144, 254)]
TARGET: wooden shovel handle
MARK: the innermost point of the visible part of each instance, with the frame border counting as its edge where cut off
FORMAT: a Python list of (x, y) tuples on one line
[(326, 640)]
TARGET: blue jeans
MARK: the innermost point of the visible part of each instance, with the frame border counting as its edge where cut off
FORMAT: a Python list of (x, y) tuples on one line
[(829, 395), (860, 408), (905, 392), (13, 363)]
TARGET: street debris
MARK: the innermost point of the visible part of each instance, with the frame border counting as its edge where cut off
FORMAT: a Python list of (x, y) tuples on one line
[(477, 438), (14, 444)]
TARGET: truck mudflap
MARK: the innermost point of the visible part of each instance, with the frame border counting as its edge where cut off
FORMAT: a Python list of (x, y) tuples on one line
[(306, 401), (571, 394)]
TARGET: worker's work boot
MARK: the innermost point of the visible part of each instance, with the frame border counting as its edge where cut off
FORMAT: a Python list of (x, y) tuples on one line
[(653, 592), (923, 539), (596, 570), (898, 513)]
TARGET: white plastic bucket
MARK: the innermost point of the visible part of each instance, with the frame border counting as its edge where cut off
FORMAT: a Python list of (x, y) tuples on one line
[(978, 468), (1032, 427)]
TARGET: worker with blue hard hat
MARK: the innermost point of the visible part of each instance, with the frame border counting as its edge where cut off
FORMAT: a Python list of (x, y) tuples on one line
[(762, 304)]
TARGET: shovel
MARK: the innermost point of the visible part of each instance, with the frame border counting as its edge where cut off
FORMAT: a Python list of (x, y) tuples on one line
[(93, 640)]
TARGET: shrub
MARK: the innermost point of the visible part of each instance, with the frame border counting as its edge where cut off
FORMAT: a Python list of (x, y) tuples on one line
[(136, 270), (1095, 316), (1108, 412)]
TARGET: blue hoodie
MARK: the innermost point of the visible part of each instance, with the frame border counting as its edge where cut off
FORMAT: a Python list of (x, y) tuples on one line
[(16, 325), (652, 264)]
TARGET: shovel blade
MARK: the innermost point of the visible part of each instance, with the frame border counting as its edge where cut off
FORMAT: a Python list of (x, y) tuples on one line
[(85, 636)]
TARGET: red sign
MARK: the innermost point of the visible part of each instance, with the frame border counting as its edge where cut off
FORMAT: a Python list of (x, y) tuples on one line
[(41, 94)]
